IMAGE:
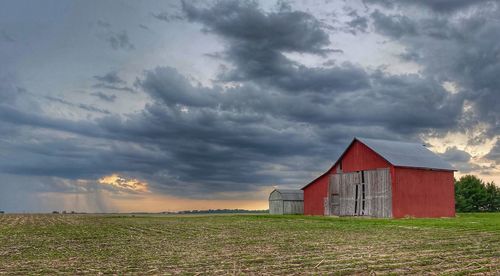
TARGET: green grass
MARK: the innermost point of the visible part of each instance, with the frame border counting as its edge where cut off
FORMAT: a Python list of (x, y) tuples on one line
[(248, 244)]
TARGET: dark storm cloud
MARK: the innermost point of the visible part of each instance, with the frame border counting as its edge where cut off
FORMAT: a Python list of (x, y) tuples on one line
[(267, 119), (119, 40), (445, 6), (112, 81), (170, 87), (200, 136), (494, 153), (5, 37), (440, 6), (104, 97), (282, 30), (258, 40), (103, 24), (110, 77), (459, 159), (394, 26), (142, 26), (75, 158), (455, 155), (167, 16), (113, 87), (463, 51), (205, 147), (357, 23), (83, 106)]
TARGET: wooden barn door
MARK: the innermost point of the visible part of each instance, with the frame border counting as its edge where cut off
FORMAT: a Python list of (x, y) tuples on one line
[(348, 198), (342, 194), (363, 193), (379, 193), (334, 195)]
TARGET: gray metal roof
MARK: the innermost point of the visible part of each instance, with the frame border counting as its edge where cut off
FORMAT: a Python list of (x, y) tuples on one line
[(406, 154), (291, 194)]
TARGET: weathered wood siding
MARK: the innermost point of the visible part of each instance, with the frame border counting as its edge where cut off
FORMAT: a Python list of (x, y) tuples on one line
[(346, 196), (293, 207), (276, 207), (379, 198), (279, 206), (275, 195)]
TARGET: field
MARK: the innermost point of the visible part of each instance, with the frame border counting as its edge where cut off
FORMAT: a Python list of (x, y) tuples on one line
[(247, 244)]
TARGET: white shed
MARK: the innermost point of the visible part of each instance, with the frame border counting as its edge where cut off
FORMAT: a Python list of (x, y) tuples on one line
[(286, 202)]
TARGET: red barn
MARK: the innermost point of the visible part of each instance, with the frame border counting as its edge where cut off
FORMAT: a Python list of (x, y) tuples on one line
[(380, 178)]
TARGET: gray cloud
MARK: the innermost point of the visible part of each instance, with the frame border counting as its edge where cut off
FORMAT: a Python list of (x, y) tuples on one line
[(103, 24), (439, 6), (83, 106), (459, 159), (5, 37), (110, 77), (463, 52), (267, 119), (258, 40), (453, 155), (446, 6), (494, 153), (167, 16), (142, 26), (357, 23), (394, 26), (119, 40), (112, 81), (278, 124), (104, 97)]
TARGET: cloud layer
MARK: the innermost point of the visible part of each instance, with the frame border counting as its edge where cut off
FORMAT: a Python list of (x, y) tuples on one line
[(270, 114)]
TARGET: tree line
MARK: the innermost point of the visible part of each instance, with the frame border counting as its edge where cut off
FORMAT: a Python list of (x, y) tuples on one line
[(474, 195)]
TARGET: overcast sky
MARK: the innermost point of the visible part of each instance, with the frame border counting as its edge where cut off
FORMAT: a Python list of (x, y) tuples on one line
[(165, 105)]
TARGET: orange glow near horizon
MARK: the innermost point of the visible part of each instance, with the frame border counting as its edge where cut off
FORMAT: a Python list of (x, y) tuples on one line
[(106, 201), (118, 193), (123, 183), (160, 203)]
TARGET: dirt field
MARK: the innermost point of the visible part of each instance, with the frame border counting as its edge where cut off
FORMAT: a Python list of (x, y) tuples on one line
[(248, 244)]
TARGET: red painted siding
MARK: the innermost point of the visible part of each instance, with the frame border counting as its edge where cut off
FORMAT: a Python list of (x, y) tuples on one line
[(361, 158), (422, 193), (357, 157), (314, 196)]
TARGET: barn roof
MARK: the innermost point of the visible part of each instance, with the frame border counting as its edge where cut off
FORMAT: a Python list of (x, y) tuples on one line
[(399, 154), (291, 194), (404, 154)]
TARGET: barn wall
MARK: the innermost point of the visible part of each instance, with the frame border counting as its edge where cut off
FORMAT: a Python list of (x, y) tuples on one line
[(293, 207), (275, 195), (276, 207), (357, 157), (423, 193), (314, 196)]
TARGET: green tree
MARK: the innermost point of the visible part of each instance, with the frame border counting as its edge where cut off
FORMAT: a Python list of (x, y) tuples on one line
[(473, 195), (493, 197)]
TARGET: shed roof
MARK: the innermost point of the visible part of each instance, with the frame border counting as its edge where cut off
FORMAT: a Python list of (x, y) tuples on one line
[(287, 194)]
